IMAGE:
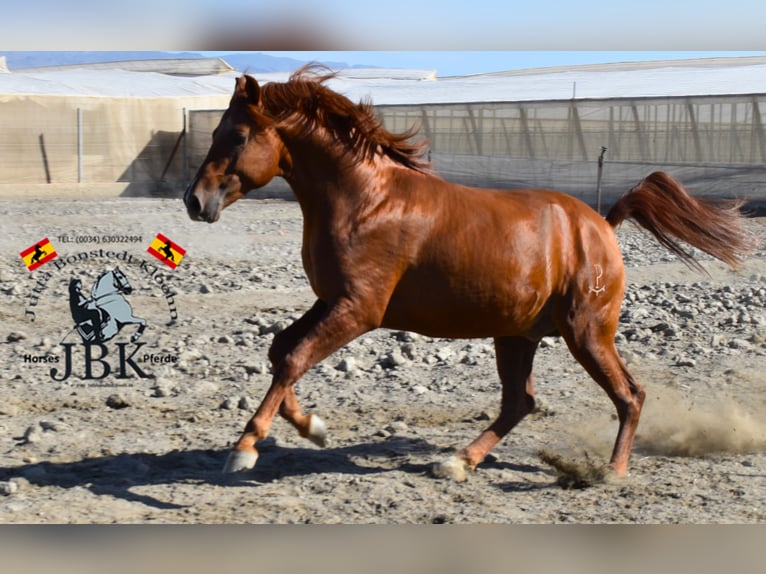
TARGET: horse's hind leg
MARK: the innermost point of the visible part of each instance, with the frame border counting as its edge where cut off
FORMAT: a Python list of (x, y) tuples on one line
[(593, 347), (514, 356), (139, 331)]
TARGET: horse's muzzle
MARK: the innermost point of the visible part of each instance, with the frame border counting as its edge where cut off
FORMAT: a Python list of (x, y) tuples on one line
[(194, 207), (205, 204)]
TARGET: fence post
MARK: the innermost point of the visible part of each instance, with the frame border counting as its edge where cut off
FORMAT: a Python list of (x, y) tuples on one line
[(45, 159), (184, 152), (79, 145), (598, 179)]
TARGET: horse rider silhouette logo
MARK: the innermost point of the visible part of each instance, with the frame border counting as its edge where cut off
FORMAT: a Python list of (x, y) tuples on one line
[(167, 251), (101, 316), (39, 252)]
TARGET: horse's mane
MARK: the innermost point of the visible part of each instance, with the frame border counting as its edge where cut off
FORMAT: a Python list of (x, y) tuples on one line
[(354, 126)]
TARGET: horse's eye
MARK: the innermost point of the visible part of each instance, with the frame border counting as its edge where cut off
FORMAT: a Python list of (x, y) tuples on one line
[(238, 138)]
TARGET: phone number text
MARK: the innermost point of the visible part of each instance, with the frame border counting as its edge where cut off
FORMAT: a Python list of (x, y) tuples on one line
[(99, 239)]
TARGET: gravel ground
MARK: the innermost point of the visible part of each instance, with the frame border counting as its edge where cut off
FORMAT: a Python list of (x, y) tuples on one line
[(127, 449)]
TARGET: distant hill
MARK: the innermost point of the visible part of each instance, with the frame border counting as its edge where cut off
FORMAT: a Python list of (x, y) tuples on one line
[(19, 60), (251, 61)]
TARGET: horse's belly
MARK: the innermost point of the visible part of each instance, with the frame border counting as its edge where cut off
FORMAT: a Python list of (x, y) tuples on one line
[(436, 311)]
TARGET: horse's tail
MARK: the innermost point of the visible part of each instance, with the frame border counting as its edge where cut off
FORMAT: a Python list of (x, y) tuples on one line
[(661, 205)]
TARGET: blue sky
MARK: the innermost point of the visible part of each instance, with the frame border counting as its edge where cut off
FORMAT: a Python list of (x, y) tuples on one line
[(455, 63)]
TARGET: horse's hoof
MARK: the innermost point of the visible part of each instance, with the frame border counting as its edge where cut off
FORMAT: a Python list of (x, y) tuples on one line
[(240, 460), (454, 468), (317, 431)]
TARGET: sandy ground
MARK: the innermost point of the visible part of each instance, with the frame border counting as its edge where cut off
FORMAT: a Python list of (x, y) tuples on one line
[(122, 448)]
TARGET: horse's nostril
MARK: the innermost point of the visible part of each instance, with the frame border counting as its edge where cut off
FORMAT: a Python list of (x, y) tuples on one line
[(193, 206)]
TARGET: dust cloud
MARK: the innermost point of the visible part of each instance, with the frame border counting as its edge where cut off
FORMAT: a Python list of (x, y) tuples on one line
[(673, 424)]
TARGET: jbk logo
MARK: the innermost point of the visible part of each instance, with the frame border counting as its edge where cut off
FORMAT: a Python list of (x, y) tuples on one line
[(104, 343), (97, 319)]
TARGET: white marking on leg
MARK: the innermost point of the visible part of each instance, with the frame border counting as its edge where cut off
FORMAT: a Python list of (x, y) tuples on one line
[(454, 468), (240, 460), (317, 431)]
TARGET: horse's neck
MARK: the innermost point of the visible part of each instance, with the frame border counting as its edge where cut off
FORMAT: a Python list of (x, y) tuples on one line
[(102, 286), (324, 177)]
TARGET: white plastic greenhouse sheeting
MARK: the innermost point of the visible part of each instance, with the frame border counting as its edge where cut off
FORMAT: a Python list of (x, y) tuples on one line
[(692, 77)]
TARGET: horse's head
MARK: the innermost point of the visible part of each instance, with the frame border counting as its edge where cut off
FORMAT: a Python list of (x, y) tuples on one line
[(246, 153), (120, 281)]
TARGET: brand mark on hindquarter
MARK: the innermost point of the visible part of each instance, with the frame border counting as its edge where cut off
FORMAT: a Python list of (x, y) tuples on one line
[(599, 287)]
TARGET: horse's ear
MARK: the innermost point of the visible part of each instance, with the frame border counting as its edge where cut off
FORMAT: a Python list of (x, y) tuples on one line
[(247, 87)]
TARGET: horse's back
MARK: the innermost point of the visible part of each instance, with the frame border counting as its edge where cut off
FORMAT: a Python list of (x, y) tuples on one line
[(533, 232)]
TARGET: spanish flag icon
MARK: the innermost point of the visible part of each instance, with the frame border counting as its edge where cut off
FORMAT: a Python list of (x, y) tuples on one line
[(166, 251), (38, 254)]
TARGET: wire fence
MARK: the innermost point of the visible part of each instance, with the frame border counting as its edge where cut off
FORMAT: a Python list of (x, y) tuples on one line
[(716, 145), (55, 140)]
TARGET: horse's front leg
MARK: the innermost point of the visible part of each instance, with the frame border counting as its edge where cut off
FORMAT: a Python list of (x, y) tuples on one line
[(308, 425), (326, 329)]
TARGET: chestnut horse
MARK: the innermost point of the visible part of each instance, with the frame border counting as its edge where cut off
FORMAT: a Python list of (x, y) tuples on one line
[(387, 243)]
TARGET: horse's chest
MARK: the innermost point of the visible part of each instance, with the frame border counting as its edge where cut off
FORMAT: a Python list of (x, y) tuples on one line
[(321, 263)]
